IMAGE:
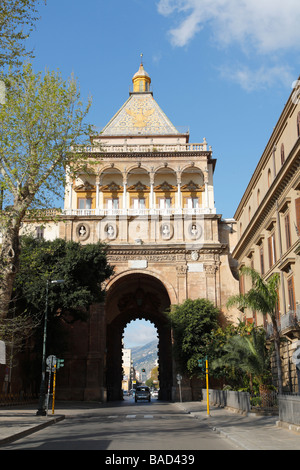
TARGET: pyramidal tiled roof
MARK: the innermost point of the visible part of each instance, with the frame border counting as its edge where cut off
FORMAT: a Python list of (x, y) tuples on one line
[(140, 115)]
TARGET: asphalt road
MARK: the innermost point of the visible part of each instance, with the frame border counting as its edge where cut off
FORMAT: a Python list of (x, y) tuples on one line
[(127, 426)]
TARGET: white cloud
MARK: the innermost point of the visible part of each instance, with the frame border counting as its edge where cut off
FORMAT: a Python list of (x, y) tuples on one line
[(267, 25), (263, 77)]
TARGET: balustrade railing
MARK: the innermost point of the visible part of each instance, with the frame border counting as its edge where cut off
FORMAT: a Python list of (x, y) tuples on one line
[(130, 212), (144, 148)]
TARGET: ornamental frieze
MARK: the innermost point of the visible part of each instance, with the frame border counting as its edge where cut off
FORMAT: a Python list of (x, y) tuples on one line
[(119, 255)]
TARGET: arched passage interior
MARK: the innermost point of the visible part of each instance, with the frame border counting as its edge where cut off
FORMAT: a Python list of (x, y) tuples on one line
[(133, 296)]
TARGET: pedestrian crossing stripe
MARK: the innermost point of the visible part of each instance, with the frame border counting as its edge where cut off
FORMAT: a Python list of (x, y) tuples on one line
[(130, 416)]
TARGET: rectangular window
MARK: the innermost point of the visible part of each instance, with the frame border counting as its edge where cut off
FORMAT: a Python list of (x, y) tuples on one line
[(291, 294), (112, 203), (39, 232), (262, 263), (191, 202), (297, 204), (287, 230), (139, 203), (84, 203), (272, 250), (165, 203)]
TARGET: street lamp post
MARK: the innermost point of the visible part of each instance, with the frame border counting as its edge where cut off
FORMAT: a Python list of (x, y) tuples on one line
[(42, 409)]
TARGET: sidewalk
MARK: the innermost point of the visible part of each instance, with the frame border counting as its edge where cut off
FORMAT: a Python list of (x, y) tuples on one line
[(250, 432), (17, 421)]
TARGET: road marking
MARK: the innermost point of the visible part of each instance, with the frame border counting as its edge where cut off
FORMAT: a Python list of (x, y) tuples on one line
[(148, 416), (130, 416)]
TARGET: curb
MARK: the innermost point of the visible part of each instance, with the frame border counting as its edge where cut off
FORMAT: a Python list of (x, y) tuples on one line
[(30, 430), (217, 429)]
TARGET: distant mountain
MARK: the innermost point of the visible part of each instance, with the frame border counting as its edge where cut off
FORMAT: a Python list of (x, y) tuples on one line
[(145, 357)]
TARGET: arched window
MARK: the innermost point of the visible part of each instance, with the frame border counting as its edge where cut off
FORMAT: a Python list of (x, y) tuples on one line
[(249, 213), (258, 197), (282, 154), (298, 124)]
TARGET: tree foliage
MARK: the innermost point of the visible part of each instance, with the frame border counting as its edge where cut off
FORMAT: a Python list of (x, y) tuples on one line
[(192, 323), (262, 297), (42, 120), (17, 20), (83, 268), (247, 354)]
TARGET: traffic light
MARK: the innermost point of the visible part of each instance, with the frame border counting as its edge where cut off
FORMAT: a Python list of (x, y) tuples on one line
[(143, 370), (201, 363), (60, 363)]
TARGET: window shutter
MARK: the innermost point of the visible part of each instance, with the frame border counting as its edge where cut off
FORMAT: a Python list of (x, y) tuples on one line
[(297, 204)]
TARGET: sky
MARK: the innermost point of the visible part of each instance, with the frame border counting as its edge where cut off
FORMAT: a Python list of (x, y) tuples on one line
[(139, 332), (222, 68)]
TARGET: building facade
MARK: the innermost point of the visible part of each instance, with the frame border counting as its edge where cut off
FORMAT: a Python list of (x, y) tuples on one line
[(148, 193), (268, 225)]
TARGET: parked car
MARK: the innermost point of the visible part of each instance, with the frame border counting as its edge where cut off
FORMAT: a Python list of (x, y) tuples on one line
[(142, 393)]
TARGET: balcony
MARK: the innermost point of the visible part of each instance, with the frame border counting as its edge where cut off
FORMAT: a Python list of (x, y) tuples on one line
[(136, 212), (144, 148), (289, 324)]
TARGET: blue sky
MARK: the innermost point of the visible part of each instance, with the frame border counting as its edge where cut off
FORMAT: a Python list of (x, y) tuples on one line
[(222, 68)]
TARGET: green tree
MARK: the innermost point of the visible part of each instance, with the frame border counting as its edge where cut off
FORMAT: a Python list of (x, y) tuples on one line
[(82, 267), (41, 121), (262, 297), (17, 20), (153, 380), (192, 324), (249, 354)]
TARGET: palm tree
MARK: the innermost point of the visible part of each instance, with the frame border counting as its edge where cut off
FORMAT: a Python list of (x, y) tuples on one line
[(249, 354), (262, 297)]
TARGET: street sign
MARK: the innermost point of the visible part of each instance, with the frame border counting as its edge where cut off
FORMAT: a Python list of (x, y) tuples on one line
[(60, 363), (51, 361)]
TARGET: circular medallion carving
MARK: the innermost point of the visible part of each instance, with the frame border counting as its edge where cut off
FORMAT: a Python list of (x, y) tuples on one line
[(83, 231), (166, 230), (111, 231), (194, 231)]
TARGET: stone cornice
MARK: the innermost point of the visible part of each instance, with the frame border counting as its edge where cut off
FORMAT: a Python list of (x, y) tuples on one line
[(180, 252), (287, 111), (285, 176)]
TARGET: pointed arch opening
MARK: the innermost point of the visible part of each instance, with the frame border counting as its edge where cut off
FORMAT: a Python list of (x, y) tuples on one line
[(137, 296)]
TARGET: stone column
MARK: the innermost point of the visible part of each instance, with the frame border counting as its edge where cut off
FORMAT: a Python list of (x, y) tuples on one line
[(97, 195), (70, 193), (181, 282), (206, 204), (95, 381), (179, 202), (124, 192), (151, 202), (211, 285)]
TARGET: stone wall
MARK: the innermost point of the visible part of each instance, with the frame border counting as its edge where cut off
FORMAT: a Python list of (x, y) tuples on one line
[(289, 409), (226, 398)]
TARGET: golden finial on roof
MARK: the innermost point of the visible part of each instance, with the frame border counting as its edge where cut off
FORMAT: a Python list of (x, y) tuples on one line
[(141, 80)]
